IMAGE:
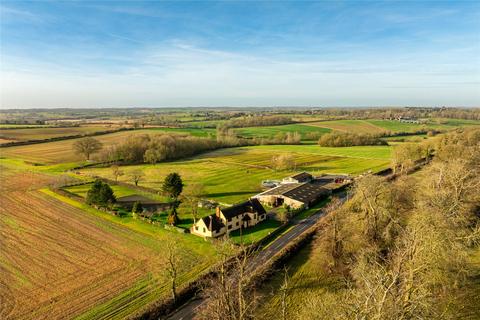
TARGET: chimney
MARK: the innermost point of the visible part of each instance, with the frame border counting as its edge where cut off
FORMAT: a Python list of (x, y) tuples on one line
[(211, 224), (217, 212)]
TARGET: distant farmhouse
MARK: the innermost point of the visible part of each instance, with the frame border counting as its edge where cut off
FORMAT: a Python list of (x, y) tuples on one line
[(242, 215), (408, 120)]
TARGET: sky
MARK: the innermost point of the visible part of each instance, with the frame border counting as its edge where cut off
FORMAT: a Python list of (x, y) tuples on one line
[(272, 53)]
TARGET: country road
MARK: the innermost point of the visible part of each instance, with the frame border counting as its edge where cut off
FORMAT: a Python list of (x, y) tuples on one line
[(188, 310)]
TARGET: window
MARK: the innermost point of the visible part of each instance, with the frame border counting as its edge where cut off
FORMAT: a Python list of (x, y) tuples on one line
[(203, 230), (196, 228), (229, 219), (229, 227), (236, 223)]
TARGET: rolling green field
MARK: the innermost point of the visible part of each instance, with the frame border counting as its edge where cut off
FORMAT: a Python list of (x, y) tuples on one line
[(197, 132), (234, 174)]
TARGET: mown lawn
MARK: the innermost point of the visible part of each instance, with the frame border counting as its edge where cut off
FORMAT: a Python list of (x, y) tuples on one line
[(256, 233), (118, 190)]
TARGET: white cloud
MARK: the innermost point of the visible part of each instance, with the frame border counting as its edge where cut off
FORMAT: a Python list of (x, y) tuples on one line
[(181, 74)]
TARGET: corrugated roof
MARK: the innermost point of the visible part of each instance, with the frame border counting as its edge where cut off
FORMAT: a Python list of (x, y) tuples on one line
[(301, 176), (304, 192)]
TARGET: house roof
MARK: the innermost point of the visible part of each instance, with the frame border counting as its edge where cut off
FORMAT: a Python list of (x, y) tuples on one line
[(252, 205), (213, 222), (301, 176)]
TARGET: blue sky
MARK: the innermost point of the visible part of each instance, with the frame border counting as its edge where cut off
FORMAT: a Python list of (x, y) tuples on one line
[(276, 53)]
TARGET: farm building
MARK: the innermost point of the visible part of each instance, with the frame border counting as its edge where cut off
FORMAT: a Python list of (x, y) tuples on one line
[(294, 195), (149, 206), (224, 221), (298, 178)]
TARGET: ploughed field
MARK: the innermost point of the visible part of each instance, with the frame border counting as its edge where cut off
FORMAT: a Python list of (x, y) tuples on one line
[(61, 151), (61, 259), (19, 134), (234, 174)]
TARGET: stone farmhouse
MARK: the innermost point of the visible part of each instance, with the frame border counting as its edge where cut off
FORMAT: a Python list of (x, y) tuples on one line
[(242, 215)]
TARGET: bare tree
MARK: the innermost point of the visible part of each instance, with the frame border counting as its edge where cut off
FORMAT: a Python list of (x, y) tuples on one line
[(283, 162), (193, 194), (172, 265), (284, 289), (234, 299), (136, 176), (116, 171), (87, 146)]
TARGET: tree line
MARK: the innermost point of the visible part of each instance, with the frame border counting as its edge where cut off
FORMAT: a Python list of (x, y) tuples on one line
[(348, 139), (258, 121), (394, 113), (399, 250), (154, 148)]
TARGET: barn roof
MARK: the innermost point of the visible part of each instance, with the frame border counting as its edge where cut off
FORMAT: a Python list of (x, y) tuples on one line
[(303, 192), (306, 192), (301, 176)]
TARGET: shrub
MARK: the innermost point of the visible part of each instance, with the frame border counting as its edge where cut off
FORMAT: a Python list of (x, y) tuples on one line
[(100, 194)]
